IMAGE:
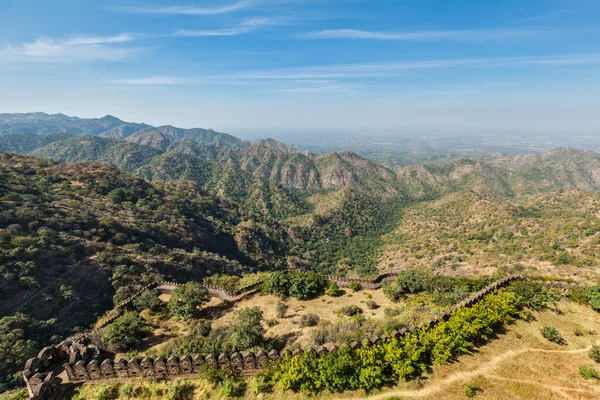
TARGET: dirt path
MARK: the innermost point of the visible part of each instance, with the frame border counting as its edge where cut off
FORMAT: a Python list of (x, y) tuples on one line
[(484, 370)]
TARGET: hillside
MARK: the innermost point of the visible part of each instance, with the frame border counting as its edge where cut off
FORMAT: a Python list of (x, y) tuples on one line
[(466, 234), (108, 126), (86, 233)]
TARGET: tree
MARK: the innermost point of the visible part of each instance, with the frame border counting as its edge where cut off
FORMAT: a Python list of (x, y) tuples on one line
[(246, 328), (187, 299), (126, 332), (148, 300)]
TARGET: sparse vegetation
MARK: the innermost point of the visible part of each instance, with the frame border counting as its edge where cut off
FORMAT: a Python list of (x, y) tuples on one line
[(471, 389), (587, 371), (594, 353), (553, 335), (281, 309), (309, 320)]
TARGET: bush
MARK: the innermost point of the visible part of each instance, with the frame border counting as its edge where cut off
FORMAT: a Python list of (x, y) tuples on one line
[(108, 392), (261, 384), (355, 286), (271, 322), (530, 294), (281, 309), (187, 299), (587, 371), (309, 320), (126, 390), (594, 353), (553, 335), (592, 295), (246, 328), (301, 285), (126, 332), (231, 387), (371, 305), (411, 281), (148, 300), (333, 290), (471, 389), (351, 310)]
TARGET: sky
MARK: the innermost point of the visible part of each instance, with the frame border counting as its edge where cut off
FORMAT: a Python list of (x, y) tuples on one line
[(248, 66)]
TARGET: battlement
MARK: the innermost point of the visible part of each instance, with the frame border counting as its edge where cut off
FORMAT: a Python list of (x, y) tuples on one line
[(82, 363)]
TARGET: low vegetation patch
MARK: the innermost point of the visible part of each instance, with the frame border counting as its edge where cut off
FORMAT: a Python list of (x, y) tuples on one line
[(301, 285), (373, 366), (587, 371), (553, 335)]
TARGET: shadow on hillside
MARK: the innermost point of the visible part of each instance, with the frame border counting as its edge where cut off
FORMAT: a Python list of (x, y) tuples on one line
[(215, 312)]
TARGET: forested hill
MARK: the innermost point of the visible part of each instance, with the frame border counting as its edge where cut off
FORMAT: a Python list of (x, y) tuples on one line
[(84, 232), (108, 126)]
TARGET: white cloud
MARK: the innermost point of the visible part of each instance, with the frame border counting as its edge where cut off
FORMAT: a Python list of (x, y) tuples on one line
[(151, 80), (374, 70), (246, 26), (188, 10), (328, 77), (480, 34), (74, 49)]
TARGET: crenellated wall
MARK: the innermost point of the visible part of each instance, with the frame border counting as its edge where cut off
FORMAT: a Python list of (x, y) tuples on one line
[(82, 363)]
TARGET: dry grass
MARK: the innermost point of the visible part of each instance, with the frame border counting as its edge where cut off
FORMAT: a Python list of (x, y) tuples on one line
[(324, 307)]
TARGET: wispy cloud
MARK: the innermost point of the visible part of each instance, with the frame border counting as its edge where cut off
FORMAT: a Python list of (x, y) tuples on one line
[(246, 26), (73, 49), (480, 34), (188, 10), (376, 70), (152, 80), (328, 77)]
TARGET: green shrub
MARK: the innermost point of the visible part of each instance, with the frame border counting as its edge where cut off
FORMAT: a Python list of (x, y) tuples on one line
[(126, 390), (553, 335), (530, 294), (301, 285), (108, 392), (594, 353), (148, 300), (351, 310), (309, 320), (231, 387), (592, 295), (471, 389), (261, 384), (333, 290), (126, 332), (587, 371), (563, 259), (371, 305), (410, 281), (187, 299), (355, 286)]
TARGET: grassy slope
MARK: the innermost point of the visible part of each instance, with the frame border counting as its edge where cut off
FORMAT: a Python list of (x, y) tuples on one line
[(465, 233)]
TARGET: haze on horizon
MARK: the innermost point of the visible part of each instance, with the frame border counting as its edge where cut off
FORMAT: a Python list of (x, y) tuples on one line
[(331, 65)]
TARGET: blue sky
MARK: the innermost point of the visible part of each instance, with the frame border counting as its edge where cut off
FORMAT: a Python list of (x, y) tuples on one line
[(248, 66)]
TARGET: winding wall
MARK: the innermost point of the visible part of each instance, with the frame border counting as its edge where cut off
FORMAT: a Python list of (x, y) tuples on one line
[(81, 363)]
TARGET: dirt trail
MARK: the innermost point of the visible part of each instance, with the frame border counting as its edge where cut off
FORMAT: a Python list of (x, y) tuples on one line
[(484, 370)]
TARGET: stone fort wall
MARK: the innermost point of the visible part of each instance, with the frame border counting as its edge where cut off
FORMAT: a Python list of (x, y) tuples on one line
[(82, 363)]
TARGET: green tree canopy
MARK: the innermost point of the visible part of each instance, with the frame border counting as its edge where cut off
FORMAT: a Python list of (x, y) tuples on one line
[(187, 299)]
